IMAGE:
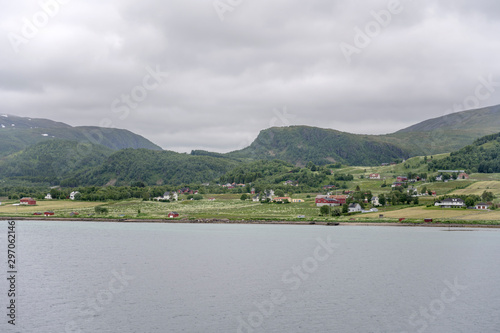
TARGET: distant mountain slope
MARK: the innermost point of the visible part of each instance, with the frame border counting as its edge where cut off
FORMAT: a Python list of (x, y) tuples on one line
[(301, 144), (9, 121), (156, 167), (482, 156), (17, 133), (447, 133), (469, 120), (53, 161)]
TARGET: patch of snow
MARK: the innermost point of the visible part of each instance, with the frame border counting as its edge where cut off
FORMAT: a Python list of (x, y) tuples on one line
[(3, 126), (6, 116), (13, 125), (45, 135)]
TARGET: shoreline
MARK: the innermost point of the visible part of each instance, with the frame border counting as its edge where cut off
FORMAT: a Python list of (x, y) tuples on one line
[(227, 221)]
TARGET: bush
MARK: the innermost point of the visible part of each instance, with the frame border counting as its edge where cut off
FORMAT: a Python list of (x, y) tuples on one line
[(101, 210)]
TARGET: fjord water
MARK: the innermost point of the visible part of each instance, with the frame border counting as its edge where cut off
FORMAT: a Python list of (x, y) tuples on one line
[(120, 277)]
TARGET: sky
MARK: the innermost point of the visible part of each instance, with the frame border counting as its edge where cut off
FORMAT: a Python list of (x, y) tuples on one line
[(205, 74)]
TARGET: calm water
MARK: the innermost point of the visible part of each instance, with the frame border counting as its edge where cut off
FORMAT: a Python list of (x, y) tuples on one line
[(111, 277)]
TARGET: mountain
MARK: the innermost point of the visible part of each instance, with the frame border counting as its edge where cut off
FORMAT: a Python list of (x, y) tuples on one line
[(18, 133), (156, 167), (53, 161), (302, 144), (480, 119), (447, 133), (482, 156)]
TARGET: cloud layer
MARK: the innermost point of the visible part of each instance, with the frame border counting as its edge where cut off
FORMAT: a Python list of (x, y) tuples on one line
[(236, 67)]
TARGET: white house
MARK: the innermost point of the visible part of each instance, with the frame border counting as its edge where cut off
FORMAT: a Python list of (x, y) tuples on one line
[(374, 176), (73, 194), (48, 196), (354, 207), (450, 203), (482, 206), (269, 194), (168, 196), (375, 201)]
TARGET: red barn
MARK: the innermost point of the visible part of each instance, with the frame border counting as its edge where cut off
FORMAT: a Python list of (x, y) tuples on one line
[(172, 215), (28, 201), (342, 199), (324, 200)]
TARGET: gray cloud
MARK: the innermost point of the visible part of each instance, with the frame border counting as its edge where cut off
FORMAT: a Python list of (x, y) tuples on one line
[(228, 79)]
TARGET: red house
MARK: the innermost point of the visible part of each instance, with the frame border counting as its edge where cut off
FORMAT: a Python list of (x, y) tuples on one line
[(28, 201), (342, 199), (401, 179), (330, 200), (172, 215), (323, 200), (48, 213)]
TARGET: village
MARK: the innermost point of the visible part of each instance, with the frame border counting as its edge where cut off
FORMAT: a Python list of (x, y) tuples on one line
[(369, 195)]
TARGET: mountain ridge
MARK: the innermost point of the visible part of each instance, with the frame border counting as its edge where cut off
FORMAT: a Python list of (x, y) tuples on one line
[(18, 133), (432, 136)]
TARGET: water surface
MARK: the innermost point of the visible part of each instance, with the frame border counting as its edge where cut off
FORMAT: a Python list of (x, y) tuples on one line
[(138, 277)]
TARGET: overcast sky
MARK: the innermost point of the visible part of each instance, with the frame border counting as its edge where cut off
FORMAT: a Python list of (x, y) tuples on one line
[(236, 67)]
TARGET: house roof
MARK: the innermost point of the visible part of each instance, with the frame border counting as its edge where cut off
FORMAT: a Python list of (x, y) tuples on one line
[(452, 200)]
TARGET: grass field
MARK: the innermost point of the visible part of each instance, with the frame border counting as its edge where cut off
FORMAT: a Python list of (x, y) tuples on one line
[(438, 213), (229, 206), (235, 209), (479, 187), (224, 207), (60, 206)]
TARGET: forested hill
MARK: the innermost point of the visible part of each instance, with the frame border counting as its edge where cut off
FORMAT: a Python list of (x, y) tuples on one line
[(446, 133), (488, 117), (482, 156), (53, 161), (157, 167), (18, 133), (302, 144)]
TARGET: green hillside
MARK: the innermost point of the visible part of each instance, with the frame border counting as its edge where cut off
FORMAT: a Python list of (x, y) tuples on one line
[(18, 133), (156, 167), (302, 144), (53, 161), (482, 156), (447, 133)]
